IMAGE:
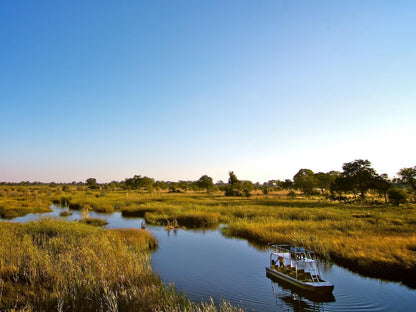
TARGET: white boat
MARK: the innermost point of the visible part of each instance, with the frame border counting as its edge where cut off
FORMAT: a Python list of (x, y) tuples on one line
[(298, 267)]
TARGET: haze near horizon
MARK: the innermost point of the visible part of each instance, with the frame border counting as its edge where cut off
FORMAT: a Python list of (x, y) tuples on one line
[(177, 89)]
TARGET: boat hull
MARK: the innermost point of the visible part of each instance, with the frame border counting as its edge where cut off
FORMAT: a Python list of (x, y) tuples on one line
[(321, 288)]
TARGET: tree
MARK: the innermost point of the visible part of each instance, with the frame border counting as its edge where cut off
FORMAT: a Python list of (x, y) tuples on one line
[(382, 185), (323, 181), (139, 182), (408, 177), (92, 183), (146, 183), (232, 180), (304, 180), (234, 185), (286, 184), (160, 185), (247, 186), (205, 182), (184, 185), (341, 184), (358, 176), (397, 196)]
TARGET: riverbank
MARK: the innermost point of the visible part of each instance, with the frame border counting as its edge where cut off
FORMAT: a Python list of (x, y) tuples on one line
[(53, 265)]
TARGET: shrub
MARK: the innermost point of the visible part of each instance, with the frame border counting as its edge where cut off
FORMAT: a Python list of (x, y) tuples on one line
[(104, 208), (397, 196), (94, 221)]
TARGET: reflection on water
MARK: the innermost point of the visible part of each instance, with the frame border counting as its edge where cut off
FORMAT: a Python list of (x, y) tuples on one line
[(204, 264), (290, 299)]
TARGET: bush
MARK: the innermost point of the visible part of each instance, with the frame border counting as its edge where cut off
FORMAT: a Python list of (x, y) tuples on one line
[(94, 221), (104, 208), (397, 196)]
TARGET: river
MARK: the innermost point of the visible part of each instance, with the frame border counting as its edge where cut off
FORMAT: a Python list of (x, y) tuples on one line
[(204, 264)]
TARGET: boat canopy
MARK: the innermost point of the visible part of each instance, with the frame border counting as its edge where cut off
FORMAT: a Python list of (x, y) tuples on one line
[(298, 257)]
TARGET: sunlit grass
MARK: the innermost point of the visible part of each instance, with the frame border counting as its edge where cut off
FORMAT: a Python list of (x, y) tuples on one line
[(373, 238), (18, 201), (53, 265)]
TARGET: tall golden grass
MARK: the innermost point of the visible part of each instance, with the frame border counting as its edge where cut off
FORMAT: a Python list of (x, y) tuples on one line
[(53, 265), (374, 239), (19, 201)]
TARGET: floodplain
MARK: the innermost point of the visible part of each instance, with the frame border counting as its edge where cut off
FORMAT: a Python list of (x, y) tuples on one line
[(372, 238)]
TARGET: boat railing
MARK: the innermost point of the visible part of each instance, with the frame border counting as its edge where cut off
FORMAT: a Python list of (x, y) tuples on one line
[(300, 259), (297, 252)]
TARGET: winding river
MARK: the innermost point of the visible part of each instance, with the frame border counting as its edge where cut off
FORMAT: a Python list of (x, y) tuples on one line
[(206, 264)]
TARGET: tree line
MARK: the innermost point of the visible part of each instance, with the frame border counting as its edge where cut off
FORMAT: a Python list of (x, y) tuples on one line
[(357, 179)]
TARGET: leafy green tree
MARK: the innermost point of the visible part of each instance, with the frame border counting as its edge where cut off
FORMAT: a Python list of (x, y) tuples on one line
[(247, 186), (358, 176), (382, 185), (205, 182), (92, 183), (234, 186), (185, 185), (304, 180), (286, 184), (408, 177), (113, 185), (173, 187), (139, 182), (323, 180), (233, 180), (146, 183), (397, 196), (160, 185), (340, 185)]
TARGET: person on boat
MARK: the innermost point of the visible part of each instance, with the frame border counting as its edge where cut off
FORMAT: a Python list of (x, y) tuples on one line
[(302, 253), (281, 261), (293, 252)]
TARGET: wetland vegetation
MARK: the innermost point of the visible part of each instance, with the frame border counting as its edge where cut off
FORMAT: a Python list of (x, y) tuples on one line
[(54, 265), (60, 265)]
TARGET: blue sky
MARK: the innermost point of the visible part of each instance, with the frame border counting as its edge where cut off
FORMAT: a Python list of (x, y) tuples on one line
[(177, 89)]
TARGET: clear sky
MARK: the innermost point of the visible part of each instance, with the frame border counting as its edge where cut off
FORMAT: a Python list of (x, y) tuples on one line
[(178, 89)]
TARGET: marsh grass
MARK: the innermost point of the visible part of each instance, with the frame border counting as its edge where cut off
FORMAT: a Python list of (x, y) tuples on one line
[(379, 242), (372, 238), (135, 211), (21, 202), (137, 239), (94, 221), (53, 265), (65, 213)]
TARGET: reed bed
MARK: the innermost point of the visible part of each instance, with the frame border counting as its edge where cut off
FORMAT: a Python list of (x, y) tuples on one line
[(381, 244), (94, 221), (19, 201), (53, 265), (372, 238)]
